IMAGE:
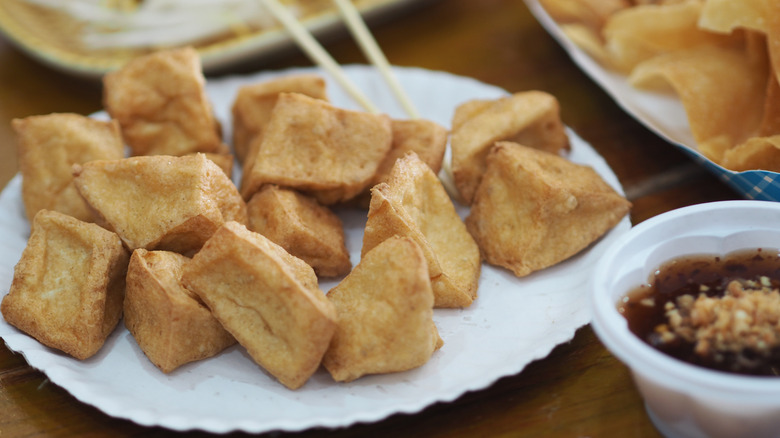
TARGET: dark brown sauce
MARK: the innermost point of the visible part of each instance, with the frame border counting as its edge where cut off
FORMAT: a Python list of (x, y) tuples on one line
[(686, 275)]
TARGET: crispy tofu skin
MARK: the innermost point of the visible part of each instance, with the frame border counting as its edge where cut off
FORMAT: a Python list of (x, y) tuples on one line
[(160, 202), (534, 209), (254, 103), (69, 284), (312, 146), (414, 204), (306, 229), (48, 146), (383, 329), (531, 118), (267, 299), (170, 323), (161, 104)]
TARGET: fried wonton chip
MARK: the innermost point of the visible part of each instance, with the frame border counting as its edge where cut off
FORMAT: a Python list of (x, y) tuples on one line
[(267, 299), (170, 323), (592, 13), (724, 16), (312, 146), (414, 204), (254, 102), (306, 229), (160, 202), (387, 329), (69, 284), (721, 89), (161, 103), (755, 153), (534, 209), (48, 146), (531, 118), (637, 34)]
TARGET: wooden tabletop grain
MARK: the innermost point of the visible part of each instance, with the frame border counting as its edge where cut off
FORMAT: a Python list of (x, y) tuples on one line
[(580, 389)]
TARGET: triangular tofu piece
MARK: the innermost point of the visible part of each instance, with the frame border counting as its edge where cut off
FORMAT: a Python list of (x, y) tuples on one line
[(69, 284), (534, 209), (267, 299), (531, 118), (413, 203), (383, 329), (160, 202), (299, 224), (48, 146), (169, 322), (312, 146)]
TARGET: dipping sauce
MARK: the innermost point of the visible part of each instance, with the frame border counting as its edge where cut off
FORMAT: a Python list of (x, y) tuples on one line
[(718, 312)]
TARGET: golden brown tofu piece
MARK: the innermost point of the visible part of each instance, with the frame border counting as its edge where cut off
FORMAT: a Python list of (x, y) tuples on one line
[(534, 209), (425, 138), (531, 118), (48, 146), (161, 104), (69, 284), (267, 299), (314, 147), (413, 203), (306, 229), (383, 329), (160, 202), (169, 322), (254, 102)]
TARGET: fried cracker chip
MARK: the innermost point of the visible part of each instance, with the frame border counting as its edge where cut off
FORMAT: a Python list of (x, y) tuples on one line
[(755, 153), (530, 117), (161, 103), (721, 89), (724, 16), (306, 229), (637, 34), (267, 299), (48, 147), (387, 329), (414, 204), (253, 105), (69, 284), (160, 202), (591, 13), (312, 146), (170, 323), (534, 209)]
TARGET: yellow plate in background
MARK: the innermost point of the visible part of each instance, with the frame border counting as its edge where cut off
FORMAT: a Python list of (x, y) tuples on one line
[(54, 37)]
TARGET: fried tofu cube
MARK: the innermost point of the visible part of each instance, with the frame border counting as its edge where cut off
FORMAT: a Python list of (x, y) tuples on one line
[(160, 202), (303, 227), (161, 104), (170, 323), (254, 103), (312, 146), (531, 118), (413, 203), (48, 146), (425, 138), (534, 209), (267, 299), (69, 284), (383, 329)]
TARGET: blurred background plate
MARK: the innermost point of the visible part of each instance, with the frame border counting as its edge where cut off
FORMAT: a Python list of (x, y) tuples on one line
[(57, 38), (661, 113)]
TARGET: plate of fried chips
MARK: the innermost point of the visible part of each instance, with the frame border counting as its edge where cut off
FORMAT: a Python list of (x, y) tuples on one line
[(512, 322), (702, 74)]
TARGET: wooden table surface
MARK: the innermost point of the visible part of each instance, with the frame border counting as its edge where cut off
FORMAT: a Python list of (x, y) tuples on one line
[(580, 389)]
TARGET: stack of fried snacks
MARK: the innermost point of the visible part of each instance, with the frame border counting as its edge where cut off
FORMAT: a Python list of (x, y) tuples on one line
[(721, 57)]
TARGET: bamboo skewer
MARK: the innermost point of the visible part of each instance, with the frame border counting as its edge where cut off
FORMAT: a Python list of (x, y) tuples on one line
[(315, 51), (372, 51)]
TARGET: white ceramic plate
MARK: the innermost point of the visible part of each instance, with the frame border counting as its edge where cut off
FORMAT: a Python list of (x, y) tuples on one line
[(662, 113), (512, 322)]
